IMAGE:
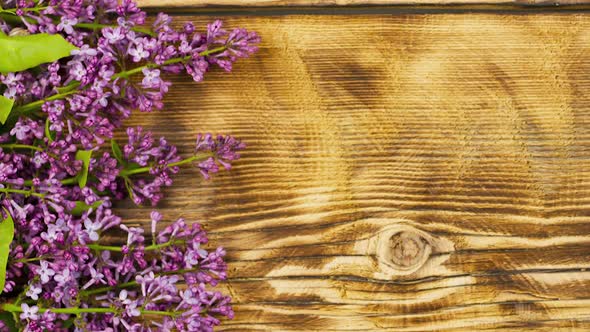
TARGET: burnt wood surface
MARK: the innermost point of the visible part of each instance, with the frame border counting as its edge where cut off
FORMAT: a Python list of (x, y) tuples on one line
[(404, 172)]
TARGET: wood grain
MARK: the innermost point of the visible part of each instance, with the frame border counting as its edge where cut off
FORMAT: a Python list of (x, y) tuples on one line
[(404, 172), (171, 4)]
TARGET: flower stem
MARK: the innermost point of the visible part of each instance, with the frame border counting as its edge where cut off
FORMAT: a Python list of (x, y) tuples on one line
[(95, 26), (29, 108), (19, 191), (36, 105), (106, 289), (126, 284), (197, 157), (26, 260), (28, 147), (158, 313), (9, 307), (12, 11), (21, 146), (119, 249), (124, 173), (168, 62), (67, 181)]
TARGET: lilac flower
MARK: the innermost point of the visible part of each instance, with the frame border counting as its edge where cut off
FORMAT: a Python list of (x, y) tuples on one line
[(78, 71), (113, 35), (152, 80), (63, 277), (143, 150), (92, 228), (223, 150), (45, 272), (95, 277), (85, 52), (138, 52), (197, 68), (47, 321), (11, 79), (5, 171), (29, 312), (20, 130), (67, 25), (207, 167), (34, 291), (156, 217), (134, 234)]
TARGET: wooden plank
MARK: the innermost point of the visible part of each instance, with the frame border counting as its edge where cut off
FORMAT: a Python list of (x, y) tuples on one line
[(170, 4), (404, 173)]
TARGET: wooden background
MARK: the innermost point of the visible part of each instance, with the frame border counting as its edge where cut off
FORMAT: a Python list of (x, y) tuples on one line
[(405, 171)]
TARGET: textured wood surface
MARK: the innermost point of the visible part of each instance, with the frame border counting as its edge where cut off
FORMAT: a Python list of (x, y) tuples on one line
[(170, 4), (404, 173)]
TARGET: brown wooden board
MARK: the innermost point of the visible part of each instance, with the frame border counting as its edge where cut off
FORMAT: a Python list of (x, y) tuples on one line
[(170, 4), (403, 172)]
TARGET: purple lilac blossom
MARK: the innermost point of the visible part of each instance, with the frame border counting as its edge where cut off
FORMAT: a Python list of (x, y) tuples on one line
[(97, 93), (78, 103)]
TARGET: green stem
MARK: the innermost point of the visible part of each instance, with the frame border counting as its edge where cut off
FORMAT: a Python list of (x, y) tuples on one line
[(125, 284), (25, 146), (21, 146), (9, 307), (172, 61), (36, 105), (34, 259), (23, 192), (12, 11), (101, 247), (158, 313), (197, 157), (14, 308), (106, 289), (124, 173), (119, 249), (95, 26), (73, 180)]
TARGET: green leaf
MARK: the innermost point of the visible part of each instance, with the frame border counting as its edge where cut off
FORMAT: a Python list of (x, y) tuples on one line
[(85, 157), (47, 131), (82, 207), (5, 107), (132, 166), (6, 235), (18, 53), (8, 319), (129, 189), (117, 153), (68, 323)]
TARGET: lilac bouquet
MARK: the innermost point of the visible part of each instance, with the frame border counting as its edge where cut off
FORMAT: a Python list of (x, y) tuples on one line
[(71, 71)]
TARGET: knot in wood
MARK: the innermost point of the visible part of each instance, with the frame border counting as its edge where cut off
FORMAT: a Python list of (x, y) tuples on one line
[(405, 250)]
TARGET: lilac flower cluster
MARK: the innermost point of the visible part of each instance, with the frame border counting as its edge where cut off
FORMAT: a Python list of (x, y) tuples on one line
[(88, 96), (108, 288), (222, 150), (61, 173)]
